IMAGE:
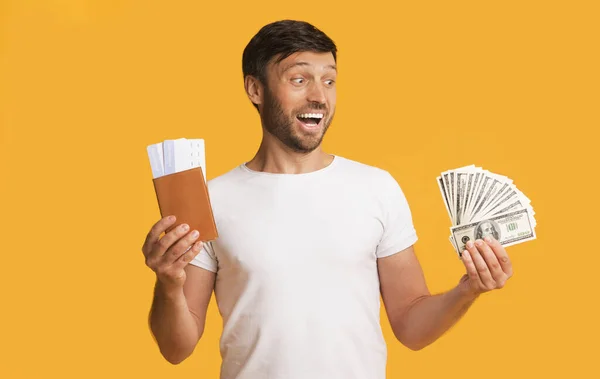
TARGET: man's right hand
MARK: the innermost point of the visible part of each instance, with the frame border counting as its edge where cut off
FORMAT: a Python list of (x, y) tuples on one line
[(169, 255)]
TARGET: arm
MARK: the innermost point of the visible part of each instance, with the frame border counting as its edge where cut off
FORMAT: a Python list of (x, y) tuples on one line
[(419, 318), (182, 291), (178, 315)]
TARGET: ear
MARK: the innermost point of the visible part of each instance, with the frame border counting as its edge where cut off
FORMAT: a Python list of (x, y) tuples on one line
[(254, 89)]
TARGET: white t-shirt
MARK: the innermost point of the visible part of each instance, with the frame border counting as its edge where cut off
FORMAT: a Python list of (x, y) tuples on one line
[(296, 262)]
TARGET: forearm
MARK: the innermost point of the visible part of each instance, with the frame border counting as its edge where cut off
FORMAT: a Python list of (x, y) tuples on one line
[(172, 324), (431, 316)]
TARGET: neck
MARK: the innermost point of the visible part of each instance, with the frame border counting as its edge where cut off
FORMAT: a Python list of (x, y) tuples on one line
[(282, 160)]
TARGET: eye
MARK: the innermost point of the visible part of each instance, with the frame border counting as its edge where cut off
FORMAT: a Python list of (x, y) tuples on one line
[(298, 80), (330, 82)]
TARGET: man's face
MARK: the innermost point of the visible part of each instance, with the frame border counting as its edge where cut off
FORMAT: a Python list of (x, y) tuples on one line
[(487, 230), (299, 99)]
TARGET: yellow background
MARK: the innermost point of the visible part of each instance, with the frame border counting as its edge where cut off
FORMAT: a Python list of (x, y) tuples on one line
[(423, 87)]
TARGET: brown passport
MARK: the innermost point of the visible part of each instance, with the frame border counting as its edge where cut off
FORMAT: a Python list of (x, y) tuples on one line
[(185, 195)]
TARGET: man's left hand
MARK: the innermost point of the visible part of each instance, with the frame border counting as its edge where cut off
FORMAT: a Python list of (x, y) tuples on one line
[(488, 266)]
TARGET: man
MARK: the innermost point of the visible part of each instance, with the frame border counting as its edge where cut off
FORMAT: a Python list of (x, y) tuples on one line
[(308, 241), (487, 228)]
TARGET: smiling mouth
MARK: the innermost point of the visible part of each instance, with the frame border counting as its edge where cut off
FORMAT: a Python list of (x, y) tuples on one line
[(310, 120)]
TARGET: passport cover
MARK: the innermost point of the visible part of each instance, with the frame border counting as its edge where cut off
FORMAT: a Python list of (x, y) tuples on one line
[(185, 195)]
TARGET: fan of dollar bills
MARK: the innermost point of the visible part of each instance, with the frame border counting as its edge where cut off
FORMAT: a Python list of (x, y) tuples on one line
[(481, 203)]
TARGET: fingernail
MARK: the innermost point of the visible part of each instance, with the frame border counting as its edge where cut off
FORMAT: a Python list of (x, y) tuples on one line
[(171, 218), (488, 239), (195, 234), (478, 243), (184, 227), (470, 244), (198, 245)]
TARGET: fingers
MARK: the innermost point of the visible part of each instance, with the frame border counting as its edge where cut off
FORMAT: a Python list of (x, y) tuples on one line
[(483, 271), (487, 264), (155, 232), (471, 269), (168, 248), (188, 256), (169, 267), (501, 255), (166, 242), (490, 259), (180, 247)]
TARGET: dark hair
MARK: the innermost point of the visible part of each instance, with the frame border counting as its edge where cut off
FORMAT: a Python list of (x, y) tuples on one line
[(281, 39)]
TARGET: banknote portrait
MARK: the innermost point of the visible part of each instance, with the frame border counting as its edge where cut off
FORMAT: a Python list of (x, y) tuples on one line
[(487, 228)]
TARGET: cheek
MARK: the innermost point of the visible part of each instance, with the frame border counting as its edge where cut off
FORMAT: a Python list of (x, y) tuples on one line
[(332, 97), (291, 102)]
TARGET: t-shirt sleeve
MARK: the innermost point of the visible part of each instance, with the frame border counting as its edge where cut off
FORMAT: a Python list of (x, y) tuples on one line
[(206, 258), (398, 230)]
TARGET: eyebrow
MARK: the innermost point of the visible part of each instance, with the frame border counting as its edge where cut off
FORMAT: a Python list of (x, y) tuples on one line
[(331, 66)]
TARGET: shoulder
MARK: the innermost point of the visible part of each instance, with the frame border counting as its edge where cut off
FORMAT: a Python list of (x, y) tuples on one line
[(371, 175), (377, 183), (225, 181)]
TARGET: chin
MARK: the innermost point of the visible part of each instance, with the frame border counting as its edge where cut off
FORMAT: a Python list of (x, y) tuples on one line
[(305, 144)]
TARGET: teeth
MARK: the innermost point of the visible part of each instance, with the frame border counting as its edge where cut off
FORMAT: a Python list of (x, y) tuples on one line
[(311, 115)]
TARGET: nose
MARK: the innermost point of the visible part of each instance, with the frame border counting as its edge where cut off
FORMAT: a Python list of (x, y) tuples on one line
[(316, 93)]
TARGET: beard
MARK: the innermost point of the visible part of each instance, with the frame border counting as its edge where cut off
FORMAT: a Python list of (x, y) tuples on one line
[(280, 125)]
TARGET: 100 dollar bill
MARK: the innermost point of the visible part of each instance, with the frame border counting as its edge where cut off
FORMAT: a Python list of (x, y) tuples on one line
[(508, 228)]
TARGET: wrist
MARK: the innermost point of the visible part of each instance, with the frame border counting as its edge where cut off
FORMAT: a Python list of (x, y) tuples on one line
[(169, 291), (466, 292)]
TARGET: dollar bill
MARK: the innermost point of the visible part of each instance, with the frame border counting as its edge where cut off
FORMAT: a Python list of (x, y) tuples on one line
[(461, 187), (484, 185), (447, 189), (508, 228), (471, 194), (508, 196), (441, 186)]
